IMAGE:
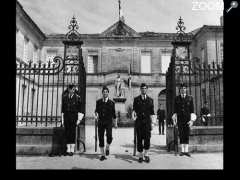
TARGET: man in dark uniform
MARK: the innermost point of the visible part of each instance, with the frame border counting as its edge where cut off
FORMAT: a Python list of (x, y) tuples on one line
[(205, 114), (105, 113), (184, 117), (71, 116), (143, 111), (161, 118)]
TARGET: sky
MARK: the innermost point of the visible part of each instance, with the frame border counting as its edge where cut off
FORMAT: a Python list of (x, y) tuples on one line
[(95, 16)]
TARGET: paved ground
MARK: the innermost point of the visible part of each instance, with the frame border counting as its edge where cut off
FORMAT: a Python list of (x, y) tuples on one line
[(121, 156)]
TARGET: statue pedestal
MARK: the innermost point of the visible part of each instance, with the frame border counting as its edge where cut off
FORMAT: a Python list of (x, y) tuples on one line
[(120, 104), (120, 109)]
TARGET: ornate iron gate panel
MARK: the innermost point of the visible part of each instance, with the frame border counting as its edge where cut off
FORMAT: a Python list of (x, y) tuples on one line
[(39, 87), (204, 82)]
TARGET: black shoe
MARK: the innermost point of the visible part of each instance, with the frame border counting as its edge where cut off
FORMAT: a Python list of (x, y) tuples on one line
[(102, 158), (187, 154), (140, 160), (181, 154), (51, 155), (71, 154), (107, 152), (147, 159)]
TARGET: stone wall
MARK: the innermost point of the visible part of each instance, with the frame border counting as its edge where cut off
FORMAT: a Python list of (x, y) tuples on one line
[(201, 139)]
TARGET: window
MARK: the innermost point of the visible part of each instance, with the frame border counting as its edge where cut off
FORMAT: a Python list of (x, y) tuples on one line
[(19, 45), (204, 95), (25, 49), (221, 52), (145, 62), (165, 62), (35, 54), (92, 63), (50, 55), (202, 55)]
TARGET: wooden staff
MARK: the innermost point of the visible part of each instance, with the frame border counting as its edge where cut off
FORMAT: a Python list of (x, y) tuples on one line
[(76, 139), (135, 141), (96, 135), (175, 134)]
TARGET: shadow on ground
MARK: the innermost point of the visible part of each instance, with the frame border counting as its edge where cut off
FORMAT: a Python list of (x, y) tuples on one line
[(158, 149), (127, 145), (125, 157), (89, 156)]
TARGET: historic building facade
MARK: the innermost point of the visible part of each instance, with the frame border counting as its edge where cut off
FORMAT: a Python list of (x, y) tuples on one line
[(137, 57)]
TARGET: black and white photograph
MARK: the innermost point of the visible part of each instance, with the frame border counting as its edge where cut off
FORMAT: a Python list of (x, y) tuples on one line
[(120, 84)]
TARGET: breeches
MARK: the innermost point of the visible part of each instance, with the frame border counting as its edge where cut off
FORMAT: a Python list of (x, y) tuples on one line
[(143, 137), (70, 120), (101, 130), (183, 131)]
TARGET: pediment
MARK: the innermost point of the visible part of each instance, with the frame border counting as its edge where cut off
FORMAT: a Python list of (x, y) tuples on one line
[(120, 29)]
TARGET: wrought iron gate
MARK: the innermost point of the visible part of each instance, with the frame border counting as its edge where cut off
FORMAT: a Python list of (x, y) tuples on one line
[(40, 86), (204, 82)]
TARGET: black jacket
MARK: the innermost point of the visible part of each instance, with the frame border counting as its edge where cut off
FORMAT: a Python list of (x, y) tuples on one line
[(106, 111), (183, 107), (144, 109), (72, 105)]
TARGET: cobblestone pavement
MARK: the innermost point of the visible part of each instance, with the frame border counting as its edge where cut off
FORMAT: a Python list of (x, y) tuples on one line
[(121, 157)]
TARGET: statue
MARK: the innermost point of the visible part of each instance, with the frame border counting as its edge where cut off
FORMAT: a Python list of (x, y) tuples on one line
[(118, 85)]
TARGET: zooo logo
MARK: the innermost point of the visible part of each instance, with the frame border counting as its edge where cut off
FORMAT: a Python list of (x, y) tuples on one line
[(207, 6)]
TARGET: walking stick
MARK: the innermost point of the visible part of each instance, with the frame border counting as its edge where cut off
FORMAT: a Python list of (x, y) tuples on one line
[(135, 141), (96, 134), (76, 139), (175, 134)]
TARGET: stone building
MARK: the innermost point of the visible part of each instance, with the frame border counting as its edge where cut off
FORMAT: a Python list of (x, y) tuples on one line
[(207, 44), (119, 50)]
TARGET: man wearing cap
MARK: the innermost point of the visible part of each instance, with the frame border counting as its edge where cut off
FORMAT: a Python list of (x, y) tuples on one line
[(105, 113), (184, 117), (71, 116), (143, 111)]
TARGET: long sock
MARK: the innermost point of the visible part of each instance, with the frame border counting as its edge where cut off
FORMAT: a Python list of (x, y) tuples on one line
[(182, 146), (145, 152), (73, 148), (68, 148), (140, 154), (186, 147)]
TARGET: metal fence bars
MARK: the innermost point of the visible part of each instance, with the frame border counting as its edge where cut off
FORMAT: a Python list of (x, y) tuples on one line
[(204, 84), (39, 90)]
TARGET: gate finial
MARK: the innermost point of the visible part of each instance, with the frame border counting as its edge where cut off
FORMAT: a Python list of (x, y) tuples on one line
[(73, 27)]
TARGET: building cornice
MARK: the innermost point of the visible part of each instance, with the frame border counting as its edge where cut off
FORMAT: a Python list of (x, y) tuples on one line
[(208, 28), (27, 18), (151, 36)]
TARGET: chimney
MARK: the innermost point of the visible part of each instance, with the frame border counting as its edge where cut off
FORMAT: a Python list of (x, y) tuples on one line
[(221, 21)]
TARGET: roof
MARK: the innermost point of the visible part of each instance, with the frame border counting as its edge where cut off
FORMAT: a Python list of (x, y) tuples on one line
[(18, 5), (206, 28)]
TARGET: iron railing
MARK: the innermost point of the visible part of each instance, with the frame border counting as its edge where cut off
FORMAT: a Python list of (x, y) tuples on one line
[(205, 84), (39, 89)]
